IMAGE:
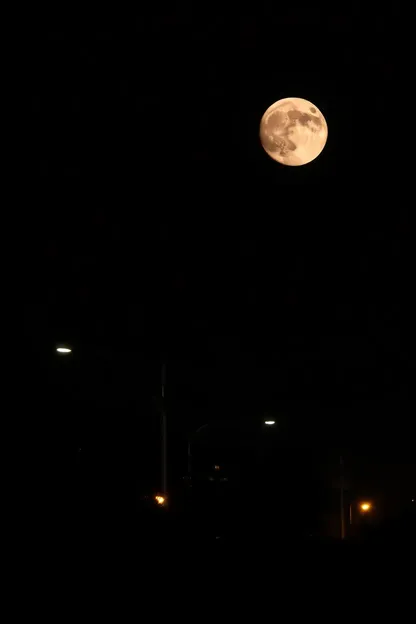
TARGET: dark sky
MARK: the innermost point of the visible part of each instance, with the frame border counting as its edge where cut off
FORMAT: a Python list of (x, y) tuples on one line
[(162, 229)]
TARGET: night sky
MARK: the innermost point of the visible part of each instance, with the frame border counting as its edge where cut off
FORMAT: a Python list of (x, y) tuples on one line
[(160, 230)]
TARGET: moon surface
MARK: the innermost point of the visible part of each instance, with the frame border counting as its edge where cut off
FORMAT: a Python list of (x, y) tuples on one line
[(293, 131)]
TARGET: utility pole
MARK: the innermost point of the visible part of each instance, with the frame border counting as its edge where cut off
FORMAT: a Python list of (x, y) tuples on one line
[(189, 461), (163, 435), (341, 498)]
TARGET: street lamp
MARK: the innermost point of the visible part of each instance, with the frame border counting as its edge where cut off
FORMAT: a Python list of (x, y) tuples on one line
[(63, 350), (364, 507), (269, 422)]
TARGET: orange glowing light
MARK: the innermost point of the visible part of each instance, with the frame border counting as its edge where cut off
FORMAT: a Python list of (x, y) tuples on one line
[(365, 506), (160, 500)]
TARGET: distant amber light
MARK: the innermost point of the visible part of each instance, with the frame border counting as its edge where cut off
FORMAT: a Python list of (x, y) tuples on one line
[(160, 500), (365, 506)]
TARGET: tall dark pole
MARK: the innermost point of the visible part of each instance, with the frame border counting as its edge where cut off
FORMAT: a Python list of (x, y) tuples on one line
[(189, 460), (342, 511), (164, 435)]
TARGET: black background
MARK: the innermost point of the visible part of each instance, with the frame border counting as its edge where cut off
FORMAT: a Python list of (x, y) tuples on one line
[(158, 229)]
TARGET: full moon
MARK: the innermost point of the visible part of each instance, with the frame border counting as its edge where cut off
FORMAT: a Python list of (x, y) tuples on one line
[(293, 131)]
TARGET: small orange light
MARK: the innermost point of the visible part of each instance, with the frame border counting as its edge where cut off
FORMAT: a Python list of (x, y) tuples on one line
[(216, 467), (160, 500), (365, 506)]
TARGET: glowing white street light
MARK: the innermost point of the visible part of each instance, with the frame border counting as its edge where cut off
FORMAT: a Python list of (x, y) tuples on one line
[(63, 350), (269, 422)]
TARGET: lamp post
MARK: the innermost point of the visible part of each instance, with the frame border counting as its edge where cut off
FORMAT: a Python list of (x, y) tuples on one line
[(63, 350), (365, 507), (163, 425), (341, 497)]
